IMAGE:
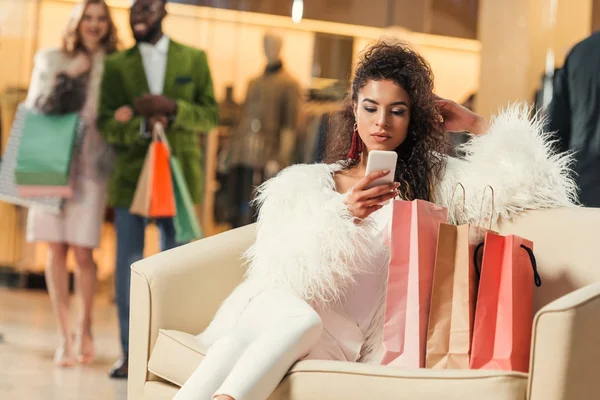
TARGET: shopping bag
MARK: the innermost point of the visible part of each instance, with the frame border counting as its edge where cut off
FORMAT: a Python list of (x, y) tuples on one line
[(453, 295), (452, 301), (504, 312), (141, 198), (46, 149), (154, 196), (185, 220), (414, 232), (8, 186), (61, 191), (162, 197)]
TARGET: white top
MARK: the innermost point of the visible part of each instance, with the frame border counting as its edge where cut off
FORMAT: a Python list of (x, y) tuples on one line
[(364, 296), (154, 58), (346, 324)]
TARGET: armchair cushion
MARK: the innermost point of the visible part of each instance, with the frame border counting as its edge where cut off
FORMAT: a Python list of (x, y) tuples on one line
[(177, 354)]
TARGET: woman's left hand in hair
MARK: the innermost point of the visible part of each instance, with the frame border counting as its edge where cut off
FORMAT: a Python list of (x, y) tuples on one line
[(460, 119)]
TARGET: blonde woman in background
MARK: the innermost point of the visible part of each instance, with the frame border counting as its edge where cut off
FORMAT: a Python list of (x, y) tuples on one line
[(67, 80)]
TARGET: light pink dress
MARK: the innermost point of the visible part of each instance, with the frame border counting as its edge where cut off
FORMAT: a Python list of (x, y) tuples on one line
[(80, 221)]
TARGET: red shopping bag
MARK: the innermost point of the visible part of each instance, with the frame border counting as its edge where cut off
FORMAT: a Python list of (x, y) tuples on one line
[(162, 197), (504, 312), (415, 226)]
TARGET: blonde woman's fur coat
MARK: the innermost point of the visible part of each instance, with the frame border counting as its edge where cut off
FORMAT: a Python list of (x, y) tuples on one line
[(308, 243)]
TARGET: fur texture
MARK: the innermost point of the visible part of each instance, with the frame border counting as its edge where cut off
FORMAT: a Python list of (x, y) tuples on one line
[(308, 243), (307, 240), (516, 158)]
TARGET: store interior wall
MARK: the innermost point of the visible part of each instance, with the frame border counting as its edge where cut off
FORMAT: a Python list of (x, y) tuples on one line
[(233, 41), (442, 17)]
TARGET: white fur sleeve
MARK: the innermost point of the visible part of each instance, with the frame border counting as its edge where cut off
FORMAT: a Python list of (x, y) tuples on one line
[(41, 78), (516, 158), (307, 241)]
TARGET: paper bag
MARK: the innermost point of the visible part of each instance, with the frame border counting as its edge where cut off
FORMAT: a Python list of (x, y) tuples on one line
[(46, 149), (453, 296), (162, 198), (185, 220), (8, 188), (504, 312), (60, 191), (415, 226), (141, 198)]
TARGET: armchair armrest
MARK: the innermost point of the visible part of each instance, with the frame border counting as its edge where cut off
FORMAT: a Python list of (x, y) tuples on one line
[(180, 289), (565, 350)]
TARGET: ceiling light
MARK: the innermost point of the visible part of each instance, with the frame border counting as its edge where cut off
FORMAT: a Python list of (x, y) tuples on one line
[(297, 10)]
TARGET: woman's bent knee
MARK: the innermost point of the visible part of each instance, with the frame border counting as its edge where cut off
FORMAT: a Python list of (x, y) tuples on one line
[(309, 327), (312, 322)]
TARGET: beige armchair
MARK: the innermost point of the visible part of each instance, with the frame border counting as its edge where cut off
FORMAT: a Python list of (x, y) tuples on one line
[(175, 294)]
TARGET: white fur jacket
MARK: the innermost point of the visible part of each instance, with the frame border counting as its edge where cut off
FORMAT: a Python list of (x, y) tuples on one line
[(308, 243)]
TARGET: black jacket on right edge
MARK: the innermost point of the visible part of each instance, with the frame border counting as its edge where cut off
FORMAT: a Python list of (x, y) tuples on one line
[(574, 114)]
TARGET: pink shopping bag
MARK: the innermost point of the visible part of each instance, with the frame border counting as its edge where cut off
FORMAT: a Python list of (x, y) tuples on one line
[(415, 226), (63, 192)]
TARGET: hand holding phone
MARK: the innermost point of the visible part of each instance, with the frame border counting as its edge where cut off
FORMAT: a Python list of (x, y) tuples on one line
[(362, 202)]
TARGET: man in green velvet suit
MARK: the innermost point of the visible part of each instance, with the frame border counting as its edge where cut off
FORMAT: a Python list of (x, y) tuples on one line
[(158, 80)]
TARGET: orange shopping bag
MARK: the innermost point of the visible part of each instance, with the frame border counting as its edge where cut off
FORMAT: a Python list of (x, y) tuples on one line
[(162, 198), (415, 226), (504, 312)]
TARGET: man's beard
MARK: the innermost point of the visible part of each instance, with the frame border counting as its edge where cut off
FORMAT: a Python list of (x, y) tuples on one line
[(150, 34)]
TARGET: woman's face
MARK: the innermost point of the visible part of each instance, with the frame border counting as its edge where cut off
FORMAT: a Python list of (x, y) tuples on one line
[(94, 25), (382, 114)]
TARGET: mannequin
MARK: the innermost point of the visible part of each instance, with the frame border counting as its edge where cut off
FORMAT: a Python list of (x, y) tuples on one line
[(263, 141), (228, 109)]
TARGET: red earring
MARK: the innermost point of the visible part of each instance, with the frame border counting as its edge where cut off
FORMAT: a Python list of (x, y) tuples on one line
[(357, 146)]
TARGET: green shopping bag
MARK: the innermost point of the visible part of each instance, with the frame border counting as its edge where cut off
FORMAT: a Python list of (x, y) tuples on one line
[(46, 149), (186, 223)]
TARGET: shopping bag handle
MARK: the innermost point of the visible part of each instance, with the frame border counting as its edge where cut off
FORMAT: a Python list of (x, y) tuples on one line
[(158, 133), (477, 267), (458, 184), (536, 276), (492, 204)]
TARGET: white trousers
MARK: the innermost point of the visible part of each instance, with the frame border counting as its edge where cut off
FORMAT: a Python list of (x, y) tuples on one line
[(275, 330)]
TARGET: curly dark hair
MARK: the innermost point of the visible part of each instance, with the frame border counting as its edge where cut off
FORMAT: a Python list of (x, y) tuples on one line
[(420, 156)]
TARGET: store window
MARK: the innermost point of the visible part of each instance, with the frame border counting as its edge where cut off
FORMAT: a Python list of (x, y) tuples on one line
[(332, 60)]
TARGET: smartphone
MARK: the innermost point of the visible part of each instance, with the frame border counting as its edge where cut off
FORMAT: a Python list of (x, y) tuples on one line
[(379, 160)]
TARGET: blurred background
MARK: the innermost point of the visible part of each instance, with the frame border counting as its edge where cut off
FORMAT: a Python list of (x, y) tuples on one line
[(484, 54)]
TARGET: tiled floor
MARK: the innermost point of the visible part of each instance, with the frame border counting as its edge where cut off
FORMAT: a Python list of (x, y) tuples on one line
[(29, 338)]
